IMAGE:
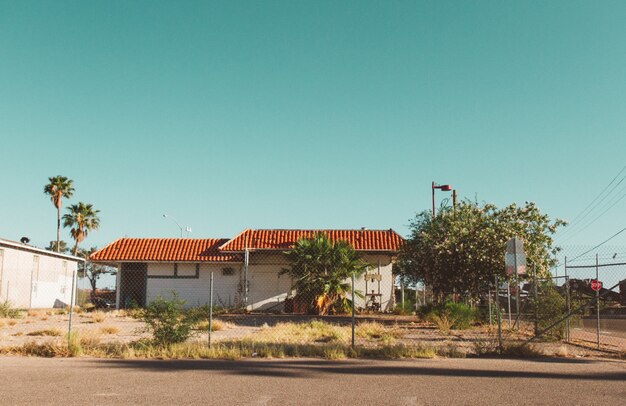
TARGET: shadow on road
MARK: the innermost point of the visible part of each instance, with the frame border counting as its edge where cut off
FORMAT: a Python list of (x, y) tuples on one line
[(309, 368)]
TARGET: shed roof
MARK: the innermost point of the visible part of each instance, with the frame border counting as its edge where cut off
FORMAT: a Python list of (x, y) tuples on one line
[(276, 239), (165, 250)]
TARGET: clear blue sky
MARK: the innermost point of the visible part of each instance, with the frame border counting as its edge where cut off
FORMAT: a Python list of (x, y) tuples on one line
[(291, 114)]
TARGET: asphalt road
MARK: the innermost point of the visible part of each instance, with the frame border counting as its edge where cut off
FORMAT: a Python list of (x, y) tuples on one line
[(312, 382)]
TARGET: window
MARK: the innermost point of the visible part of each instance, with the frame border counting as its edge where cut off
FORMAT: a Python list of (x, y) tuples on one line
[(174, 271)]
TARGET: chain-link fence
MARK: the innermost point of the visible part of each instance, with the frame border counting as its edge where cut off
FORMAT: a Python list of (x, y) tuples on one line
[(282, 301)]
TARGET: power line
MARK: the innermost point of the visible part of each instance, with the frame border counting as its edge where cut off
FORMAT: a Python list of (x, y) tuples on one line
[(602, 243), (591, 206), (594, 220), (599, 194)]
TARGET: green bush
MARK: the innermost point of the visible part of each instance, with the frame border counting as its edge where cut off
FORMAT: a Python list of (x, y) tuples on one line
[(457, 316), (406, 310), (551, 306), (7, 311), (168, 321), (463, 315)]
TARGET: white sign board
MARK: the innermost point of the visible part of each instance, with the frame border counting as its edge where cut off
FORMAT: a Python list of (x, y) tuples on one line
[(514, 257)]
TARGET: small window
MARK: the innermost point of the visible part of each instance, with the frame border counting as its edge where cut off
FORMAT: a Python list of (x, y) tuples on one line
[(228, 271)]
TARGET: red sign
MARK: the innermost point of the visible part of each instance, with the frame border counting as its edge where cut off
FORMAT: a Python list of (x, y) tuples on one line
[(596, 285)]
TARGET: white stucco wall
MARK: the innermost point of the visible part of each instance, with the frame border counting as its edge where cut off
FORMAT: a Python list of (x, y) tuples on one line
[(195, 291), (35, 279), (267, 288)]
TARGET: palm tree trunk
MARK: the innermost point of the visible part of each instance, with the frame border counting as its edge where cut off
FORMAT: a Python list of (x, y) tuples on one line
[(76, 248), (58, 228)]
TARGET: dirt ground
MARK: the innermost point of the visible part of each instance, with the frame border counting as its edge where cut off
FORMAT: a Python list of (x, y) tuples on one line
[(41, 326)]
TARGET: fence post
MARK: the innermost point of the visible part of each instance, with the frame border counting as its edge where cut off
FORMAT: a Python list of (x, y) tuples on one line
[(353, 310), (72, 296), (498, 314), (536, 299), (568, 301), (489, 304), (597, 305), (210, 308), (508, 294)]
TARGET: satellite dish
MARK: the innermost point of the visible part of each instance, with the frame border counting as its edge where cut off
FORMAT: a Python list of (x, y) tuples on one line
[(24, 240)]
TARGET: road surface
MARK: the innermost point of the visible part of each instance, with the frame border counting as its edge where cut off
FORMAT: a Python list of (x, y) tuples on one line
[(448, 382)]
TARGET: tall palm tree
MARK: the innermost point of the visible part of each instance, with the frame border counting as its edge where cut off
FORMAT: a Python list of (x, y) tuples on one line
[(58, 187), (82, 218), (320, 270)]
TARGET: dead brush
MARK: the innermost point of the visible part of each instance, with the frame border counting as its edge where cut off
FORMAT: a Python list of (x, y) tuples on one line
[(51, 332), (109, 330), (98, 317), (217, 325)]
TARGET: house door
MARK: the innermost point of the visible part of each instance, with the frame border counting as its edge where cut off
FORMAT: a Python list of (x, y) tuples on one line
[(133, 284)]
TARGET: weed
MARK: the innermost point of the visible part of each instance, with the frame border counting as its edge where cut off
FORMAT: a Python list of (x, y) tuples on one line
[(74, 346), (8, 311)]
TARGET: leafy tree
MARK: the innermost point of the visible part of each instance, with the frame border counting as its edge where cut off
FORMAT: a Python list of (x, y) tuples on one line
[(461, 250), (320, 270), (92, 271), (58, 187), (82, 218), (60, 246)]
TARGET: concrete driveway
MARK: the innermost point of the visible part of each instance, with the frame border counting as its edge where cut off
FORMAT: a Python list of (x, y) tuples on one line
[(312, 382)]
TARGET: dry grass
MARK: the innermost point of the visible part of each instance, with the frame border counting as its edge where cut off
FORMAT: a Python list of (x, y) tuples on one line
[(378, 332), (443, 322), (36, 313), (98, 317), (12, 322), (303, 333), (109, 330), (18, 334), (218, 325), (51, 332)]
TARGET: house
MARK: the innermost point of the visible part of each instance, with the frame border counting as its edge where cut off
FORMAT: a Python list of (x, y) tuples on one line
[(35, 278), (246, 269)]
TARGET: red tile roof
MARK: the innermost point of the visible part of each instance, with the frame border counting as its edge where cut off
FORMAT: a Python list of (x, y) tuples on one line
[(361, 240), (165, 250)]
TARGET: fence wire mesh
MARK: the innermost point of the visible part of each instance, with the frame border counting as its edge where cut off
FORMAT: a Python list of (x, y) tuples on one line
[(267, 301)]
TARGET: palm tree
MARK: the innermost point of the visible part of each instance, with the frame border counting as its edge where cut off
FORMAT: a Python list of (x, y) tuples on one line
[(320, 270), (58, 187), (82, 218), (61, 246)]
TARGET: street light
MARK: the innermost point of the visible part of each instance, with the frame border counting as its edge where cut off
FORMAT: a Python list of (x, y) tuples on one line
[(187, 229), (445, 188)]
